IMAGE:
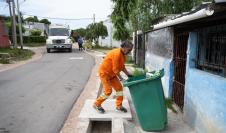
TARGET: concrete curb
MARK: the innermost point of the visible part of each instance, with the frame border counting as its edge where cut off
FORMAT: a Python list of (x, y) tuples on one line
[(38, 55), (90, 91)]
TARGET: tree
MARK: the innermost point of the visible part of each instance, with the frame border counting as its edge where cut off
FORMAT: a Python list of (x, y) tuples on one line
[(36, 19), (141, 14), (6, 19), (32, 19), (80, 32), (8, 24), (45, 21), (101, 30), (147, 11), (95, 30), (120, 17)]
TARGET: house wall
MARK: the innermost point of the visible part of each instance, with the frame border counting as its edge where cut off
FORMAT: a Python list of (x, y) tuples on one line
[(205, 96), (159, 54), (4, 39), (35, 25), (109, 41)]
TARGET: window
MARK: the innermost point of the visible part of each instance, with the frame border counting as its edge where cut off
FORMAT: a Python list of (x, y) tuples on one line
[(211, 54), (58, 32)]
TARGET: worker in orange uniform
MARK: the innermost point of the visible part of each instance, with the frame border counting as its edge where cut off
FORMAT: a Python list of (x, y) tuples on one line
[(109, 70)]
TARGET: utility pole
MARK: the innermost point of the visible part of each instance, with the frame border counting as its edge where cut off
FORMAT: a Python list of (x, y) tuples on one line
[(11, 16), (111, 27), (93, 18), (20, 25), (136, 42), (93, 24), (14, 26)]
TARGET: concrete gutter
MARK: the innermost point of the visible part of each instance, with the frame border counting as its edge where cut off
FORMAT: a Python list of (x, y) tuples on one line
[(89, 92)]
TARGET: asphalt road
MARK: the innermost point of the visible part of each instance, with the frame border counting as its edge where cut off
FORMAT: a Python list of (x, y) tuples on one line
[(38, 96)]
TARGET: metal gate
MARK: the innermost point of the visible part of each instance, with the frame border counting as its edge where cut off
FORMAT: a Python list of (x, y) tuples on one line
[(140, 51), (180, 48)]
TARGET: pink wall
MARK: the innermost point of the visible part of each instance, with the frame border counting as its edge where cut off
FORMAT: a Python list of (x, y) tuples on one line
[(4, 40)]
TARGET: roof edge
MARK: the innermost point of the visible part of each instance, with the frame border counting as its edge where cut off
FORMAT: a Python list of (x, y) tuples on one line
[(197, 15)]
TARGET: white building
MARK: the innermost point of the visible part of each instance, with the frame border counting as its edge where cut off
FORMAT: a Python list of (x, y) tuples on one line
[(109, 41), (35, 25)]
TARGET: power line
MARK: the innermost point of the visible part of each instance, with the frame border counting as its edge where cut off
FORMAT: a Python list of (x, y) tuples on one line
[(56, 18), (22, 2), (6, 6), (4, 1), (62, 18)]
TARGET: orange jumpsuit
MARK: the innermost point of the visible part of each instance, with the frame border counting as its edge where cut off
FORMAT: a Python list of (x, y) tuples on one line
[(112, 65)]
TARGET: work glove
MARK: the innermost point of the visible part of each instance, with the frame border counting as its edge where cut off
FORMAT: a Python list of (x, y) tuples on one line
[(122, 79), (130, 75)]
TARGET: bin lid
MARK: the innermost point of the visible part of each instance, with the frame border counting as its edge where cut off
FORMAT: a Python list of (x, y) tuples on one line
[(149, 76)]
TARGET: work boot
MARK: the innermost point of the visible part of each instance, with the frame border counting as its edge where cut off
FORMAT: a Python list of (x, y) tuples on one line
[(121, 109), (99, 109)]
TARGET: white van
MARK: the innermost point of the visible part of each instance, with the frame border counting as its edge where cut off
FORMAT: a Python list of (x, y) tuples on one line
[(58, 38)]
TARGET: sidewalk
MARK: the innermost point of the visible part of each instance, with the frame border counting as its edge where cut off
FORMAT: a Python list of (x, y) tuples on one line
[(175, 121)]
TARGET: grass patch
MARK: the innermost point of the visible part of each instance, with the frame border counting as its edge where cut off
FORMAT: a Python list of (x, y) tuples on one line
[(4, 58), (102, 50), (34, 44), (169, 104), (102, 47), (8, 55), (88, 45)]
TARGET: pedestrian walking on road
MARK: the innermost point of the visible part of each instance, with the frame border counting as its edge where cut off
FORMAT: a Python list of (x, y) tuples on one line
[(80, 42), (109, 73)]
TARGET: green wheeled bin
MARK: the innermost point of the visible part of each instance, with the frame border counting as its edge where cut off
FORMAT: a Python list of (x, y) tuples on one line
[(148, 99)]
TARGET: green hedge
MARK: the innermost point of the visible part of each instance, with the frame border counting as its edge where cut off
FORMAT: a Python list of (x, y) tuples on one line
[(32, 39), (35, 32)]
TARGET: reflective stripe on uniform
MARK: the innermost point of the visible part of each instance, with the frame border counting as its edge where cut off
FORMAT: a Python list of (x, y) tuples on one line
[(119, 93), (104, 96)]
